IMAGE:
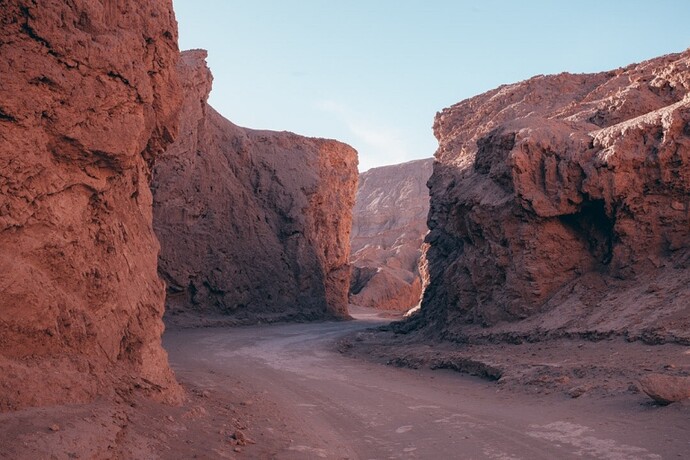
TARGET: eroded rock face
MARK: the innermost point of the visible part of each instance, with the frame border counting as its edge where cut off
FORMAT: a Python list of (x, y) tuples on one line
[(567, 195), (253, 224), (88, 97), (388, 229)]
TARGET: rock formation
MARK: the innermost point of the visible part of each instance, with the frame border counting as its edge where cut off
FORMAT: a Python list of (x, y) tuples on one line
[(388, 229), (254, 225), (564, 201), (88, 97)]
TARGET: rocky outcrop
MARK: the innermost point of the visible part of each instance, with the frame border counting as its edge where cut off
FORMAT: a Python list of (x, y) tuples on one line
[(388, 229), (254, 225), (88, 97), (564, 201)]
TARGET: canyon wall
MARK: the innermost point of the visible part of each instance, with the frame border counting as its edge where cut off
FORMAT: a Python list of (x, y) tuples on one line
[(564, 201), (254, 225), (88, 97), (388, 229)]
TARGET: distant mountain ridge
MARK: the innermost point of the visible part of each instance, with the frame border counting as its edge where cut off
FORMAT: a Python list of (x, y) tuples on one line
[(389, 224)]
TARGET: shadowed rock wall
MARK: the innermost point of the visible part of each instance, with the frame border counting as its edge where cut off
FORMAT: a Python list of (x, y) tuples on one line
[(254, 225)]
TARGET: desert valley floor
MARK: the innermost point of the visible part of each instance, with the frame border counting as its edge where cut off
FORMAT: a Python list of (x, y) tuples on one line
[(287, 391)]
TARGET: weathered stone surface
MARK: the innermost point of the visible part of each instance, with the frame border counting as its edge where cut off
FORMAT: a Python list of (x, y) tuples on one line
[(569, 196), (388, 229), (88, 96), (666, 389), (254, 225)]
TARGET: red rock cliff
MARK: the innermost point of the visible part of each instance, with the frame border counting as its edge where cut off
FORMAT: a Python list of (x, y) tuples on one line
[(569, 196), (388, 229), (88, 96), (254, 225)]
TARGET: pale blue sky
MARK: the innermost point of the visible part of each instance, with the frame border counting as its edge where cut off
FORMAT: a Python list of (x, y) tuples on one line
[(374, 73)]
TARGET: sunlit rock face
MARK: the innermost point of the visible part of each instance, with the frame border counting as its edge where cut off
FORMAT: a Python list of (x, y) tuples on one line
[(254, 225), (88, 98), (388, 229), (569, 196)]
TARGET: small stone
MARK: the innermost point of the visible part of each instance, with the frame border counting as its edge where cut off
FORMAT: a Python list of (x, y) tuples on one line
[(54, 427), (240, 438), (578, 391)]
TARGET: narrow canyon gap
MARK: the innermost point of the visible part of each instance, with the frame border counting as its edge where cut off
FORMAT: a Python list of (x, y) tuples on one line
[(388, 229)]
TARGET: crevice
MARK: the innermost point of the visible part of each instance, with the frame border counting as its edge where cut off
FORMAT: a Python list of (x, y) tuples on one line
[(107, 160), (116, 76), (43, 80), (360, 278), (4, 116), (213, 290), (28, 30), (599, 118), (192, 290), (595, 227), (493, 149)]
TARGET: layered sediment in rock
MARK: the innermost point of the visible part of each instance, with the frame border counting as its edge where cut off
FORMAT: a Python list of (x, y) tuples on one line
[(88, 97), (388, 229), (254, 225), (564, 201)]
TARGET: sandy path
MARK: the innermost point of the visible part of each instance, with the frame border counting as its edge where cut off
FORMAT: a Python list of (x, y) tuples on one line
[(307, 401)]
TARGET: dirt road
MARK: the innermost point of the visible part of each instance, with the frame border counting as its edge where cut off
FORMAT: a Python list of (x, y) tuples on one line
[(305, 400)]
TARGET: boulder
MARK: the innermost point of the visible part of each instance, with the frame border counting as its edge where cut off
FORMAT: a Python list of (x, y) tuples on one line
[(666, 389)]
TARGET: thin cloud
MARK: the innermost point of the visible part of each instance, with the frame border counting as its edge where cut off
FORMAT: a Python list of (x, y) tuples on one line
[(376, 143)]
